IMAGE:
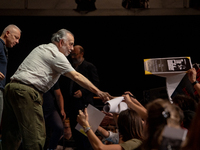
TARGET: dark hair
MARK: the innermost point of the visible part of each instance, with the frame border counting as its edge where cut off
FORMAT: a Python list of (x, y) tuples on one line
[(156, 123), (188, 105), (160, 113), (185, 102), (130, 125)]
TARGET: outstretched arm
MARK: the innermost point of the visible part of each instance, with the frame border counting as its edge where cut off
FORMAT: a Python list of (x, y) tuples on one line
[(85, 83)]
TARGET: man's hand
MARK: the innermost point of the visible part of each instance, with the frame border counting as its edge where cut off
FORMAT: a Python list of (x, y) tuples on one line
[(192, 75), (78, 94), (1, 76), (105, 96), (63, 115)]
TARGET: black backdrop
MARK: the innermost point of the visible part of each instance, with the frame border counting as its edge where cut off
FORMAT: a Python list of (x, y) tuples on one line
[(116, 45)]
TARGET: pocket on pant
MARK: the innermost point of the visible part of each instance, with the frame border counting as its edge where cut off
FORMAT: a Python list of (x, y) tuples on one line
[(27, 92), (36, 96)]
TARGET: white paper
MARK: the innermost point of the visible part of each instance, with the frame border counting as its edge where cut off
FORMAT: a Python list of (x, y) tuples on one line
[(172, 82), (115, 105), (95, 117), (175, 133)]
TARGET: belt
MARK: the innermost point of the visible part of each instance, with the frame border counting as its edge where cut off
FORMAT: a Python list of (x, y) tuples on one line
[(30, 85)]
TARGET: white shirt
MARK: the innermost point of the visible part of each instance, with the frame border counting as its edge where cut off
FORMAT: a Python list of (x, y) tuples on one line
[(113, 137), (43, 67)]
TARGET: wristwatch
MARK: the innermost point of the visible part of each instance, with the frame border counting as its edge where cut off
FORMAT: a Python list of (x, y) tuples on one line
[(195, 82)]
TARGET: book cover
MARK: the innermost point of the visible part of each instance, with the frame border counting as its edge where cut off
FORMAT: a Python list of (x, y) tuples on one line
[(169, 65)]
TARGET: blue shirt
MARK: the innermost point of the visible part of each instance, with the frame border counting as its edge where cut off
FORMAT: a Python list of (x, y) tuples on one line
[(3, 63)]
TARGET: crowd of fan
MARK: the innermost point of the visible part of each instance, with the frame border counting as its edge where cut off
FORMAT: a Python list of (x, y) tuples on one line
[(141, 127)]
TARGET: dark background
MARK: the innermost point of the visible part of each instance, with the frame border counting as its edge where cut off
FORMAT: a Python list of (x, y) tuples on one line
[(116, 45)]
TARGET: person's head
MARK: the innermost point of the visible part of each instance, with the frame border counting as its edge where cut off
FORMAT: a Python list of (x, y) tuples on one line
[(160, 113), (130, 125), (64, 40), (11, 35), (188, 105), (67, 128), (185, 102), (77, 54)]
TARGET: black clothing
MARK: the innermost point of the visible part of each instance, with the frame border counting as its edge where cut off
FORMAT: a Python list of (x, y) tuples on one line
[(53, 121), (49, 103), (89, 71), (3, 62), (67, 143)]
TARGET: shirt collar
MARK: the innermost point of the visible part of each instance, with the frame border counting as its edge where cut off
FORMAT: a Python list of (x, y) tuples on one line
[(2, 41)]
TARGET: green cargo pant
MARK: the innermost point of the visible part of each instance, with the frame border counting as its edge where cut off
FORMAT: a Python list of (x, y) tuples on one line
[(23, 119)]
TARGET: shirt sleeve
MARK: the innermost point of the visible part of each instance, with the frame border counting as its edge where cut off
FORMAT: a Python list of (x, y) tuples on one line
[(62, 65), (113, 137)]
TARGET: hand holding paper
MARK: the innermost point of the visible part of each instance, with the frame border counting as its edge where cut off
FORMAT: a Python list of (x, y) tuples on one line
[(192, 75), (92, 117), (83, 118)]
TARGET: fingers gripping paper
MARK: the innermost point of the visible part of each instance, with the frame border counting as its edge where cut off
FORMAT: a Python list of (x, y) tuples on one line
[(94, 118), (115, 105)]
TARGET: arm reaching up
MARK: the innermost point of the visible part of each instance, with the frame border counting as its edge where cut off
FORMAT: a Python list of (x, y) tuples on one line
[(135, 105), (85, 83), (192, 75)]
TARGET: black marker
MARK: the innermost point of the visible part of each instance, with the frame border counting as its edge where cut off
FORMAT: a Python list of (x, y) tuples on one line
[(130, 95), (85, 106)]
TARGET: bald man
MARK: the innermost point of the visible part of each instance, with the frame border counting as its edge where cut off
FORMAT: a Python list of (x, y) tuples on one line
[(9, 38)]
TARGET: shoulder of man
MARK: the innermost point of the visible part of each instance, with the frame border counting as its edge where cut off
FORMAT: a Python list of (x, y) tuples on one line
[(88, 64), (2, 43)]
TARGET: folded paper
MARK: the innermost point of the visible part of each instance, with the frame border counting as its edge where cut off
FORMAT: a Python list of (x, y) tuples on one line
[(115, 105)]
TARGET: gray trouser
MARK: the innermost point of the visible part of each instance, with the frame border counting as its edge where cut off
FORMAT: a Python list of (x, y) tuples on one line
[(22, 118)]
